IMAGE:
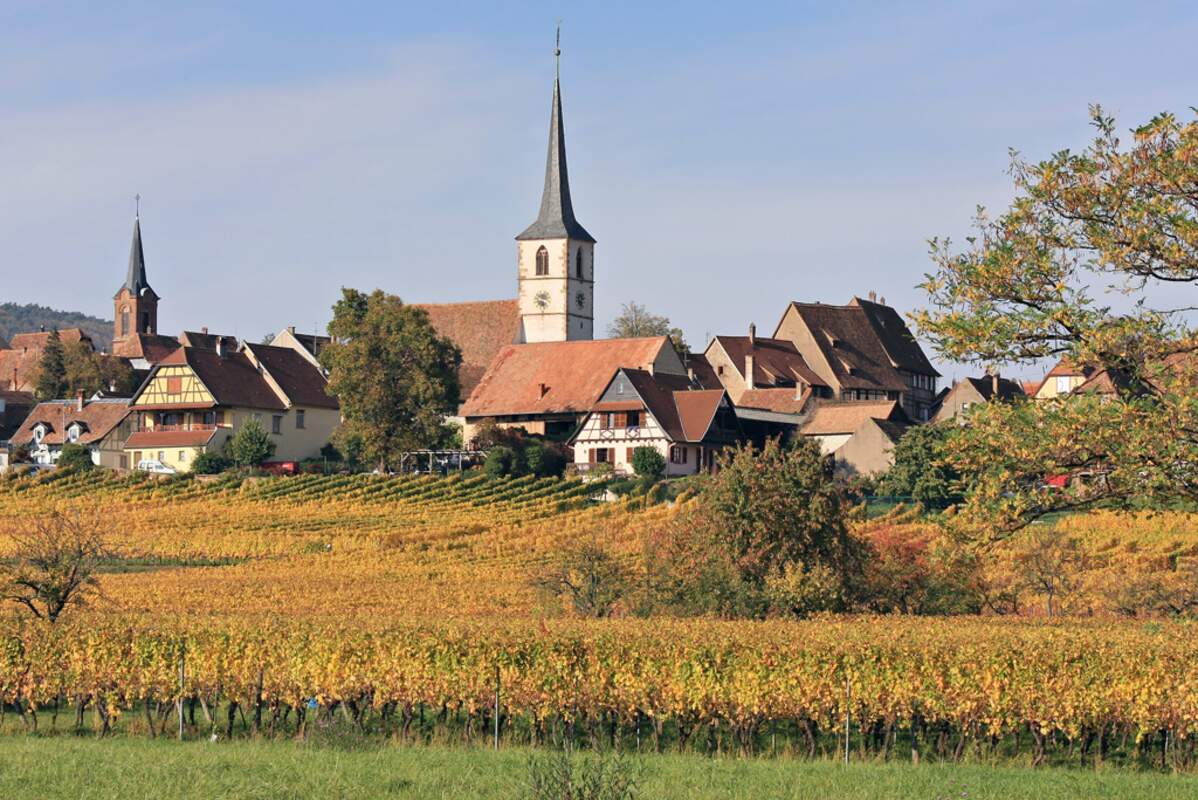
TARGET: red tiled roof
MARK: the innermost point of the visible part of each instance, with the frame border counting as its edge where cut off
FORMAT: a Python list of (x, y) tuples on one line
[(207, 341), (895, 336), (571, 374), (846, 417), (775, 361), (850, 344), (37, 340), (19, 363), (98, 416), (780, 400), (232, 378), (152, 347), (704, 374), (169, 438), (479, 330), (696, 410), (303, 383), (1066, 367)]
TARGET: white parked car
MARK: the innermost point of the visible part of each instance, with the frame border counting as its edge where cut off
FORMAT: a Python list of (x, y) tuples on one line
[(157, 467)]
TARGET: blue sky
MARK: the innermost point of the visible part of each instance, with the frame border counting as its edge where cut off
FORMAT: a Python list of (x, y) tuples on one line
[(728, 157)]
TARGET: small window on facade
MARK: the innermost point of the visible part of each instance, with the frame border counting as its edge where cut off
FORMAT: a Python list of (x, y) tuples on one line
[(1062, 384), (209, 417), (182, 455), (276, 423), (145, 322), (73, 433), (542, 261), (633, 420), (299, 419), (162, 456), (578, 263)]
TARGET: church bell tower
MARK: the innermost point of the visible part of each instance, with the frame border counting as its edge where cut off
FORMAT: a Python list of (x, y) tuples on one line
[(555, 256), (135, 306)]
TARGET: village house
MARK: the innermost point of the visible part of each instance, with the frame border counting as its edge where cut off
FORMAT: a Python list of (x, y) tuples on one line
[(20, 361), (862, 351), (639, 408), (1062, 379), (858, 436), (307, 345), (548, 388), (196, 399), (970, 392), (100, 424)]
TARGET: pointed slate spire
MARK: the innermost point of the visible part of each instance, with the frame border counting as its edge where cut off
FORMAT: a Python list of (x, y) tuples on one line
[(556, 219), (135, 278)]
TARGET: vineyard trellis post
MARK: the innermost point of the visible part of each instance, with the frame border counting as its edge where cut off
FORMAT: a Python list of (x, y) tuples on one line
[(848, 714), (182, 680), (496, 706)]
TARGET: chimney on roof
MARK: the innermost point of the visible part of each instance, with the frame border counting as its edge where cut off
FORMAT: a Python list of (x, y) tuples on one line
[(749, 371), (752, 334), (291, 329), (690, 374), (220, 346), (882, 300), (204, 330), (79, 400), (994, 382), (650, 368), (873, 296), (543, 390)]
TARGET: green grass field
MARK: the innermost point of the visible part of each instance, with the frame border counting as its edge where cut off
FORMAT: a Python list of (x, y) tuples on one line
[(130, 769)]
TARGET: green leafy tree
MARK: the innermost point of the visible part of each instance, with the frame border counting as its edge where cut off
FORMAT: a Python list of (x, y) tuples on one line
[(52, 372), (75, 456), (635, 321), (501, 461), (1116, 220), (921, 468), (90, 372), (648, 463), (251, 445), (395, 377), (543, 459), (211, 464)]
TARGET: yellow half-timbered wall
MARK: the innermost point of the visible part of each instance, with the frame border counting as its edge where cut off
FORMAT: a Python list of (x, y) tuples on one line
[(174, 385)]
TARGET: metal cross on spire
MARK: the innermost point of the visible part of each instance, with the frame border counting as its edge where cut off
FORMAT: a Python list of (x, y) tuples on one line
[(137, 205), (557, 51)]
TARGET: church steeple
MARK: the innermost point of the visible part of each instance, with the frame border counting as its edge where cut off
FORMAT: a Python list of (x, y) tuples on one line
[(555, 256), (135, 278), (135, 305), (556, 219)]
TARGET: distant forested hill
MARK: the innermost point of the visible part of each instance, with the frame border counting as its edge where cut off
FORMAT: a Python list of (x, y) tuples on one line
[(16, 318)]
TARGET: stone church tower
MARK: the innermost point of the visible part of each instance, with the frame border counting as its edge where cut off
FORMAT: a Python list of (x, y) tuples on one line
[(555, 255), (135, 306)]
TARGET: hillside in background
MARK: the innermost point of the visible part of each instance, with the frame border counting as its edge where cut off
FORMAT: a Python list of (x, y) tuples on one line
[(30, 317)]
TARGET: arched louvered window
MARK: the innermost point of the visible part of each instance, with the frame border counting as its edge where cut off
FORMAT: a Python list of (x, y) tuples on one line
[(542, 261), (125, 321), (578, 263)]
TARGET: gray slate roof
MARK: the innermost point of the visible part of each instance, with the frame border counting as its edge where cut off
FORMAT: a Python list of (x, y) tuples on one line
[(135, 279), (556, 219)]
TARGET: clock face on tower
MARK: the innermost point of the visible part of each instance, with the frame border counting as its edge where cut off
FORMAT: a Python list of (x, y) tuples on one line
[(580, 300), (542, 300)]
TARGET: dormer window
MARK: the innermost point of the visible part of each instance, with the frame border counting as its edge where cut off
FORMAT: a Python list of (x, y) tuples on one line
[(39, 432), (73, 433), (542, 261)]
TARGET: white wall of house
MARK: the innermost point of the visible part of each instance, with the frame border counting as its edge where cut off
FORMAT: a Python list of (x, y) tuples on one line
[(830, 443)]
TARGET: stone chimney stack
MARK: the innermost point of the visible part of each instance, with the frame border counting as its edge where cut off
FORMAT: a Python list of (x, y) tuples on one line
[(79, 400), (994, 382), (749, 371), (204, 330), (220, 346), (752, 334), (873, 296)]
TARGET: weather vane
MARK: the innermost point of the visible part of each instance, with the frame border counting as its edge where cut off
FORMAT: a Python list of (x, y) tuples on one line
[(557, 48), (137, 205)]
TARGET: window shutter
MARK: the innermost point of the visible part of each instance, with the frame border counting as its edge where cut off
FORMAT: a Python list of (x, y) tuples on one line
[(591, 456)]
